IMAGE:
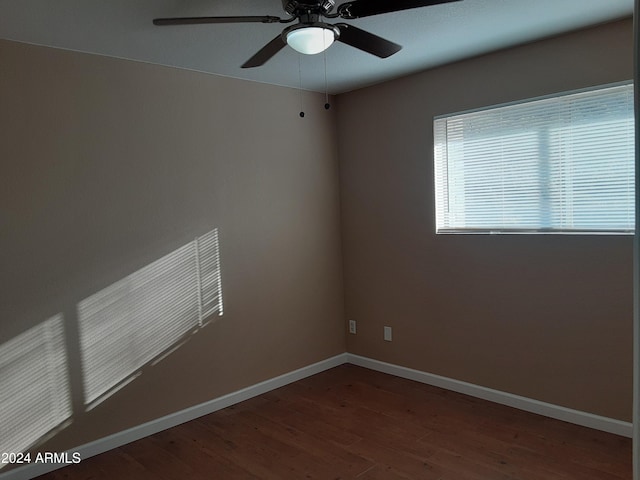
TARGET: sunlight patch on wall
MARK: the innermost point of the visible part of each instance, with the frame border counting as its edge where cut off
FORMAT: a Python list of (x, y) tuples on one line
[(210, 288), (146, 315), (34, 394)]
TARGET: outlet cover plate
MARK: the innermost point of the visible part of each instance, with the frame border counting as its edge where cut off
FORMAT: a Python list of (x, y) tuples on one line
[(352, 327), (388, 334)]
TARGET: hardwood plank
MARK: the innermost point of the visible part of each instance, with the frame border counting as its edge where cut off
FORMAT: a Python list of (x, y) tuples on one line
[(409, 463), (312, 442), (309, 452), (382, 472), (203, 459), (117, 464)]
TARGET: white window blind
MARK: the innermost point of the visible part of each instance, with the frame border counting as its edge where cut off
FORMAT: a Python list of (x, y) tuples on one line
[(563, 164)]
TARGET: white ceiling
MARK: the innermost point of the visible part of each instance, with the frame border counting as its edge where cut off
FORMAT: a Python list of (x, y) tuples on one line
[(430, 35)]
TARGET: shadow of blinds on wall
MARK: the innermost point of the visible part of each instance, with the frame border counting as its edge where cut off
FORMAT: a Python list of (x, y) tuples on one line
[(147, 315), (34, 398), (210, 287)]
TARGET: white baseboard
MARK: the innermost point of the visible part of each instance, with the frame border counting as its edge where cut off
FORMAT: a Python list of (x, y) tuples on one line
[(523, 403), (136, 433), (577, 417)]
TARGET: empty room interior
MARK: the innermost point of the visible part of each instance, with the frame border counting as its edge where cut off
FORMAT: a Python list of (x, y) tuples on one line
[(175, 241)]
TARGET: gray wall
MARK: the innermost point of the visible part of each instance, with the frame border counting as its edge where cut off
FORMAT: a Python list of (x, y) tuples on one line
[(107, 165), (546, 317)]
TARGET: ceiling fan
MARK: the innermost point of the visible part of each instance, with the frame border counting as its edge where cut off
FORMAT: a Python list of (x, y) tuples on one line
[(311, 35)]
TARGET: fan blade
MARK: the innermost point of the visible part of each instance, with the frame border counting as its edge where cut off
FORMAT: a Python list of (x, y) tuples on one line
[(366, 8), (203, 20), (366, 41), (265, 53)]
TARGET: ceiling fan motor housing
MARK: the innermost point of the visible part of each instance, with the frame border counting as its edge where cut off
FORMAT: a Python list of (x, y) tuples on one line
[(295, 7)]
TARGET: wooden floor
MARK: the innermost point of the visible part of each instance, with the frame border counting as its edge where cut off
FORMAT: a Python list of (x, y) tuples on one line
[(350, 422)]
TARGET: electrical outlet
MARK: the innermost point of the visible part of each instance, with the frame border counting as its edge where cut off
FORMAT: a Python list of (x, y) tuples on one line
[(388, 334), (352, 327)]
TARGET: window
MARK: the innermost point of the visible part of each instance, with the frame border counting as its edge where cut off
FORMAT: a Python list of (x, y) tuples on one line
[(562, 164)]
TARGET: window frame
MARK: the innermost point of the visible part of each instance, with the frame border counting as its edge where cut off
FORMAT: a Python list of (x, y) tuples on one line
[(438, 186)]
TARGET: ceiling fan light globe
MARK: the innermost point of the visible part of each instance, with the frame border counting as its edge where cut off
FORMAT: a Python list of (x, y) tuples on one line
[(310, 40)]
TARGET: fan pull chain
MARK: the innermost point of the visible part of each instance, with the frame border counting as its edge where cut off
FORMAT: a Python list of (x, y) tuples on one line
[(300, 85), (326, 88)]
